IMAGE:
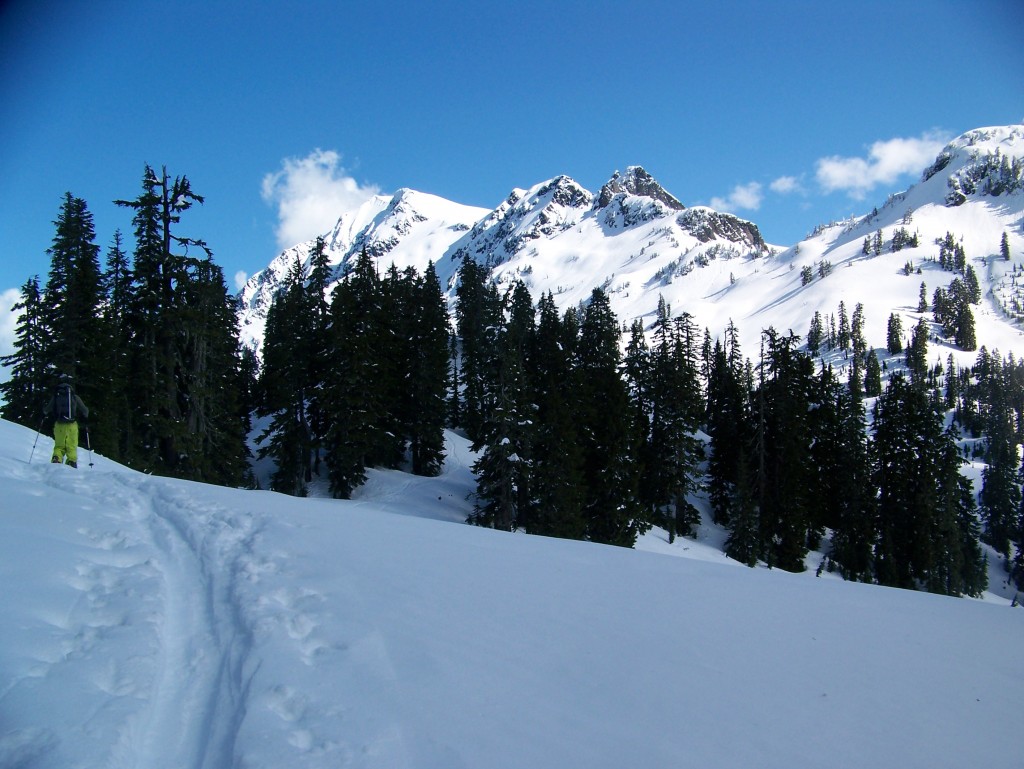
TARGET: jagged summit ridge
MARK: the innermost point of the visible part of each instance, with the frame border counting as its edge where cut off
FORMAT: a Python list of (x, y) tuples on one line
[(556, 236), (636, 182)]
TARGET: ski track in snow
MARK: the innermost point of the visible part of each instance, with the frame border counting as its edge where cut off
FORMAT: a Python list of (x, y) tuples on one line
[(201, 639), (210, 598)]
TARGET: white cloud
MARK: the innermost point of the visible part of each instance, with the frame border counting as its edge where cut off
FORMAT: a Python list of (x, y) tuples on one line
[(742, 197), (786, 185), (310, 194), (240, 279), (886, 162), (8, 323)]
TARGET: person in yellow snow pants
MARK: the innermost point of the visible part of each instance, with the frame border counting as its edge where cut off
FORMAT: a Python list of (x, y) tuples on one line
[(65, 407), (65, 443)]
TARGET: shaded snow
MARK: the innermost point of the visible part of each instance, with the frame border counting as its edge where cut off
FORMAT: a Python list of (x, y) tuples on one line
[(155, 623)]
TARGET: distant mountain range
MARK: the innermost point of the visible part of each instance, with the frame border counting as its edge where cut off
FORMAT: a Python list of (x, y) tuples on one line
[(638, 242)]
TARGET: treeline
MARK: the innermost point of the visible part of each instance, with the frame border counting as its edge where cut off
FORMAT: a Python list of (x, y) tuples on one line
[(579, 437), (151, 341)]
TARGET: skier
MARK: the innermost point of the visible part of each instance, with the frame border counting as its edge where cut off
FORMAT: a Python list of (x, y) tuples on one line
[(65, 407)]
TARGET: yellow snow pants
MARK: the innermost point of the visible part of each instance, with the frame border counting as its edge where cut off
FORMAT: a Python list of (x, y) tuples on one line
[(65, 441)]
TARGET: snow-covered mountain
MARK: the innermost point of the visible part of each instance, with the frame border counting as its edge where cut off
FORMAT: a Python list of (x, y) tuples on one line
[(409, 229), (150, 622), (638, 242)]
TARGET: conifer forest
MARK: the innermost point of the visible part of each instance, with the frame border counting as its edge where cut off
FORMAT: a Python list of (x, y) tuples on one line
[(584, 427)]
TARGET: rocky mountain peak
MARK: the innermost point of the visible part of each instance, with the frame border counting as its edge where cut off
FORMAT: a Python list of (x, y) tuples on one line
[(637, 181)]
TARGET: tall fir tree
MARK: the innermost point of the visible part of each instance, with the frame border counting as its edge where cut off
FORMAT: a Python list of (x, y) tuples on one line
[(607, 433), (358, 435), (670, 472), (729, 427), (76, 342), (111, 433), (184, 341), (846, 494), (504, 469), (556, 505), (784, 466), (25, 391), (428, 377), (477, 312), (288, 437), (894, 334)]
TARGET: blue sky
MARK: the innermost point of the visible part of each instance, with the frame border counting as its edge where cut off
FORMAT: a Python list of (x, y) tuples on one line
[(283, 114)]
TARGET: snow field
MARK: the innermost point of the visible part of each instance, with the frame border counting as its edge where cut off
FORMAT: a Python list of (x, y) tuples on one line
[(148, 622)]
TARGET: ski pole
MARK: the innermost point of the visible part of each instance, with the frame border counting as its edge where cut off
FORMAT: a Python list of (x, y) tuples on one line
[(88, 444), (38, 431)]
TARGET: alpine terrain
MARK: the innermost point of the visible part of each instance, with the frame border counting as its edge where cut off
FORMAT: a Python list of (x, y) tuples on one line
[(640, 244), (154, 622)]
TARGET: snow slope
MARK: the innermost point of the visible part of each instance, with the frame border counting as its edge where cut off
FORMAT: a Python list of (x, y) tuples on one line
[(151, 623)]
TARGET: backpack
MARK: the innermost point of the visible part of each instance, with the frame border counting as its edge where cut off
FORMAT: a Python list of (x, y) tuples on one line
[(64, 409)]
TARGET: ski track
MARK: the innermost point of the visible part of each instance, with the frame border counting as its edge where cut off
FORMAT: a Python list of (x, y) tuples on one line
[(195, 685), (175, 593)]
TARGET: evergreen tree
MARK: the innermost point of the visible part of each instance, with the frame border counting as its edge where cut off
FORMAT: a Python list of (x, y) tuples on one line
[(184, 342), (477, 316), (213, 448), (1004, 247), (676, 408), (428, 378), (556, 507), (728, 421), (872, 376), (72, 297), (917, 353), (357, 436), (973, 287), (1017, 569), (1000, 496), (922, 299), (845, 480), (894, 334), (76, 342), (25, 392), (112, 432), (784, 465), (315, 341), (284, 384), (815, 333), (958, 566), (918, 498), (743, 543), (504, 477), (843, 335), (606, 431)]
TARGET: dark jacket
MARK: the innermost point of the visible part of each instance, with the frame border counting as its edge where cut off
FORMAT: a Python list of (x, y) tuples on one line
[(69, 398)]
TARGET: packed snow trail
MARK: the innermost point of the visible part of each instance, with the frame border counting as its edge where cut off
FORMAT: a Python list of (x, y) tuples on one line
[(189, 694), (166, 599)]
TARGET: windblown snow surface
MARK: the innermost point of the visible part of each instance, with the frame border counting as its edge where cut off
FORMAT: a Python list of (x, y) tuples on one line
[(153, 623)]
